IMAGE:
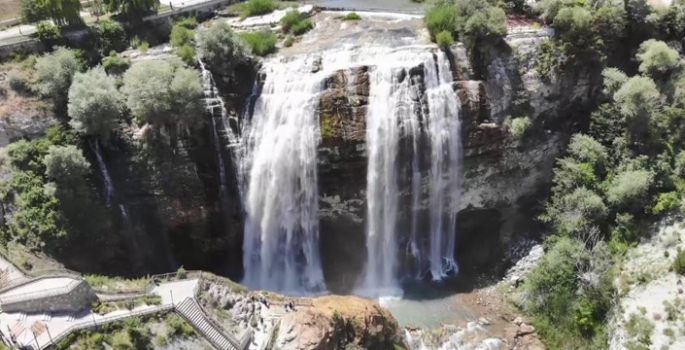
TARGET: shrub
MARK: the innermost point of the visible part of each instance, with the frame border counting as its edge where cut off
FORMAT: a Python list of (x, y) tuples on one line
[(444, 39), (144, 46), (181, 36), (613, 80), (157, 92), (188, 22), (48, 34), (288, 41), (111, 36), (638, 96), (259, 7), (302, 27), (485, 25), (630, 188), (575, 24), (95, 104), (666, 201), (55, 72), (221, 49), (680, 164), (177, 327), (585, 149), (115, 64), (441, 17), (518, 126), (65, 164), (577, 212), (19, 84), (187, 54), (352, 16), (181, 273), (656, 57), (261, 43), (679, 262), (291, 18)]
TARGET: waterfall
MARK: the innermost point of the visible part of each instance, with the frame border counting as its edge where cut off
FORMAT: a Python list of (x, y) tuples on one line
[(109, 187), (279, 175), (395, 118)]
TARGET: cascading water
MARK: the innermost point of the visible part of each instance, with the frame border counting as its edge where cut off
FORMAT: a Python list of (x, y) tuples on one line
[(109, 187), (394, 115), (278, 173)]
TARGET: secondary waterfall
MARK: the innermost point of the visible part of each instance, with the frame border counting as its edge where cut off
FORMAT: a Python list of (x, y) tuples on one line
[(397, 118), (278, 172), (109, 186)]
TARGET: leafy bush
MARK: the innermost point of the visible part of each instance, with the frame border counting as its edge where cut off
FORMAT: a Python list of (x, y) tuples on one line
[(115, 64), (656, 57), (111, 36), (55, 72), (261, 43), (19, 84), (157, 92), (302, 27), (585, 149), (518, 126), (132, 10), (614, 78), (95, 104), (259, 7), (577, 212), (181, 36), (444, 39), (638, 96), (65, 164), (441, 17), (352, 16), (221, 49), (485, 25), (630, 188), (48, 34), (575, 23), (680, 164), (679, 262), (666, 201), (178, 327), (189, 22), (187, 54), (550, 58), (288, 41), (291, 18)]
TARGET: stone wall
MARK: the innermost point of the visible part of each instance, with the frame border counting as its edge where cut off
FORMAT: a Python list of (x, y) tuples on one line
[(73, 298)]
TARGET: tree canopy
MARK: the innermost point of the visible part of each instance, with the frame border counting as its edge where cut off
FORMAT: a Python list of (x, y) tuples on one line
[(55, 72), (95, 105), (222, 49)]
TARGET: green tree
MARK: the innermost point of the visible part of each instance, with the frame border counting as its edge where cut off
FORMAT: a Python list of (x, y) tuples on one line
[(630, 189), (48, 34), (221, 49), (111, 37), (65, 164), (638, 96), (62, 12), (485, 24), (115, 64), (614, 78), (95, 104), (55, 72), (158, 92), (181, 36), (32, 12), (575, 25), (441, 17), (577, 212), (585, 149), (656, 57)]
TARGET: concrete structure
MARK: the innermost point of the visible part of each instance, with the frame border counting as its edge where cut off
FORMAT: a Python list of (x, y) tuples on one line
[(50, 294)]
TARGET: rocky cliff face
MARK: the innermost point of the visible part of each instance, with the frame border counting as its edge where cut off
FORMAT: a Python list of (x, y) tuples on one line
[(504, 178)]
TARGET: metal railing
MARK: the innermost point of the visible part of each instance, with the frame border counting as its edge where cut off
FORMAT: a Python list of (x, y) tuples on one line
[(101, 321)]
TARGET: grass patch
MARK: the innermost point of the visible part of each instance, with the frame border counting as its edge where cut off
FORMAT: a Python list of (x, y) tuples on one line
[(679, 262), (107, 283), (261, 43), (288, 42), (352, 16), (303, 27), (258, 8)]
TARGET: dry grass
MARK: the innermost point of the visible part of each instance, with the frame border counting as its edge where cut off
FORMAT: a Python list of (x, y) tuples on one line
[(10, 9)]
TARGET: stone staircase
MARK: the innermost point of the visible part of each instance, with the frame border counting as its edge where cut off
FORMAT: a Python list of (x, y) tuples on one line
[(192, 312)]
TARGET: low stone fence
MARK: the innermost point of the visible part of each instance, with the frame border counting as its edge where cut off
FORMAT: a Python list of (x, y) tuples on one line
[(72, 297)]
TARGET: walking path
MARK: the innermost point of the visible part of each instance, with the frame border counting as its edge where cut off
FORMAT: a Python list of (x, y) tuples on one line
[(42, 330)]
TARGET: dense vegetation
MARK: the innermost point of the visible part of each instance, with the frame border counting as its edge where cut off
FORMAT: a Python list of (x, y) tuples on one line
[(622, 171)]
